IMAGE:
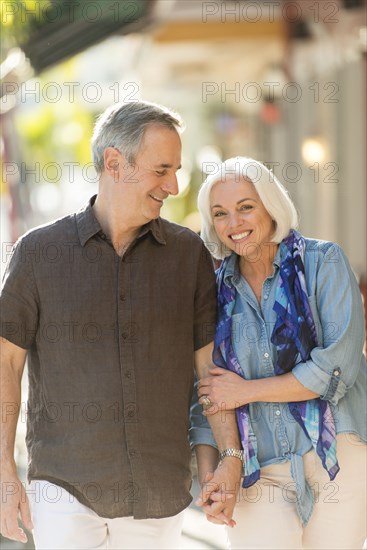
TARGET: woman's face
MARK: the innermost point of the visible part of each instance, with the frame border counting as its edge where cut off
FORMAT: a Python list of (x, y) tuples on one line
[(239, 217)]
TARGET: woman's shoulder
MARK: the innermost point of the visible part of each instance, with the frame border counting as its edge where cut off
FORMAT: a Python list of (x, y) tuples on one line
[(325, 257), (320, 250)]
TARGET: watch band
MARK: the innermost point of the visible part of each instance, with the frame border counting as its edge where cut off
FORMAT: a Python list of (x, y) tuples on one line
[(237, 453)]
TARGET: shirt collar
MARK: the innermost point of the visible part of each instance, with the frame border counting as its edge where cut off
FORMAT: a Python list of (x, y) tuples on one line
[(88, 225), (156, 229), (278, 256), (232, 273)]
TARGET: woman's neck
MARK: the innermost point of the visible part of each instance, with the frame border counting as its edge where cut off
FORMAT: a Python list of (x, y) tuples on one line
[(259, 266)]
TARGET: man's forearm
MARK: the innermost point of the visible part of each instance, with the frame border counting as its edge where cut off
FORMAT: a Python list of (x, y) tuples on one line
[(219, 483), (11, 369), (10, 406), (222, 423)]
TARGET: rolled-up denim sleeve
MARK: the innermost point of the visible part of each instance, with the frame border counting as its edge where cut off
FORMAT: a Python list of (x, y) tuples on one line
[(333, 366), (200, 432)]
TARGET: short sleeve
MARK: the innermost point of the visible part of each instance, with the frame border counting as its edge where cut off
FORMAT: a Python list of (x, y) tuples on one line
[(19, 298)]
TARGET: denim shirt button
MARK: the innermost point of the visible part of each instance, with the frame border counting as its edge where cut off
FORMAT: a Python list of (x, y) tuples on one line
[(336, 373), (266, 355)]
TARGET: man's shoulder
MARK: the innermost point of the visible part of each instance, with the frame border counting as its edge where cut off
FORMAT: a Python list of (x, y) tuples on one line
[(58, 230), (181, 232)]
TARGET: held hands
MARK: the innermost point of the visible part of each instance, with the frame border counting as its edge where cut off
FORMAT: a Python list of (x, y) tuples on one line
[(224, 389), (13, 501), (219, 490)]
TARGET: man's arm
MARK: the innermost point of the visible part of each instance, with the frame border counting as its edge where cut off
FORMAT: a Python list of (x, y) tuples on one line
[(13, 497), (219, 483)]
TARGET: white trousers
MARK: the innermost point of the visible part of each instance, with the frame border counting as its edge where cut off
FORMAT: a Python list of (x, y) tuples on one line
[(62, 522), (266, 513)]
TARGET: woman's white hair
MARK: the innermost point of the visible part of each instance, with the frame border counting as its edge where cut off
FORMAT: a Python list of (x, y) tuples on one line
[(272, 193)]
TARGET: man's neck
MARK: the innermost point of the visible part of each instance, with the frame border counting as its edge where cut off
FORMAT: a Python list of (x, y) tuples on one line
[(115, 223)]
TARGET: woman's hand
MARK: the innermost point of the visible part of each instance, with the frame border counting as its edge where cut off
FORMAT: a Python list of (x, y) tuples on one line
[(224, 389)]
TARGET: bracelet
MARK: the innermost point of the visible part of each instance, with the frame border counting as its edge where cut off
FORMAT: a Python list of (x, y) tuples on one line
[(237, 453)]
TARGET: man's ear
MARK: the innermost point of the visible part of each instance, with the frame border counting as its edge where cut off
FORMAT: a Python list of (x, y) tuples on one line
[(113, 162)]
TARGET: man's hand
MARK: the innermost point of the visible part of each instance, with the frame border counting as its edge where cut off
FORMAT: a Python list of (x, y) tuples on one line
[(225, 389), (219, 491), (13, 501)]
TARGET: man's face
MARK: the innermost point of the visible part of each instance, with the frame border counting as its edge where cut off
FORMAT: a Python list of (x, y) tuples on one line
[(152, 178)]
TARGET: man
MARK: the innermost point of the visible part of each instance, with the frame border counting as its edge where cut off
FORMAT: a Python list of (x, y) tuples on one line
[(112, 306)]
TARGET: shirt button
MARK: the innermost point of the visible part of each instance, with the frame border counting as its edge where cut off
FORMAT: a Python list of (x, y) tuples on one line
[(124, 335), (122, 297), (277, 412), (266, 355), (336, 373), (127, 374), (130, 414), (266, 296), (132, 452)]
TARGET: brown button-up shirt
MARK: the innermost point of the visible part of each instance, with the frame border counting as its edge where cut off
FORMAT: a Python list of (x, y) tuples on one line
[(110, 345)]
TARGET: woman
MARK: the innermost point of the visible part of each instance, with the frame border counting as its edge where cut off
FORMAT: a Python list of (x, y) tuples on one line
[(288, 350)]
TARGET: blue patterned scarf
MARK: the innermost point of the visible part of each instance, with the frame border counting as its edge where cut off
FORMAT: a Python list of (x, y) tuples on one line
[(294, 333)]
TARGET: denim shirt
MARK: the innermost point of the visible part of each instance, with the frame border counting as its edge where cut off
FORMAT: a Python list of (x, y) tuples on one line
[(336, 369)]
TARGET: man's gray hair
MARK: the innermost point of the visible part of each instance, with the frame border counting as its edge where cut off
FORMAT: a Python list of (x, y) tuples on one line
[(123, 126), (272, 193)]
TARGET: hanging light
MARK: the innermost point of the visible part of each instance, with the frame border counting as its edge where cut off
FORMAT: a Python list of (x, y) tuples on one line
[(313, 150)]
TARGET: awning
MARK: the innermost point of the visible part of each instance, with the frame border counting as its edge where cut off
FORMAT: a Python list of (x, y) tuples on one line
[(54, 30)]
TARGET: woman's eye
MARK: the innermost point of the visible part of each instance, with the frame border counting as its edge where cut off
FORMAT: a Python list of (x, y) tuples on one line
[(218, 214), (161, 173), (246, 207)]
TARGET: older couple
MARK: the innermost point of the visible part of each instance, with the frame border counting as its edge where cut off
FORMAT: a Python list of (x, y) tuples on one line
[(281, 390)]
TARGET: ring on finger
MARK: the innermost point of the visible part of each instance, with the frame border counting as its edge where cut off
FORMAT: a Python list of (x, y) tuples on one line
[(206, 401)]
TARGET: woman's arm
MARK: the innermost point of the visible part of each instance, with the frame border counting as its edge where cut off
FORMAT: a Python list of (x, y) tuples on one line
[(207, 459), (227, 390), (334, 365)]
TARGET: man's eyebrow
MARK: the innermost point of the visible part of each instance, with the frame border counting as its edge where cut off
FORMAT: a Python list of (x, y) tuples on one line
[(163, 165)]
